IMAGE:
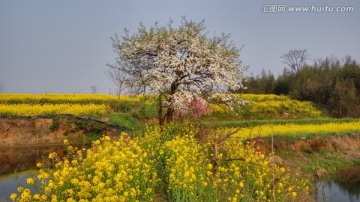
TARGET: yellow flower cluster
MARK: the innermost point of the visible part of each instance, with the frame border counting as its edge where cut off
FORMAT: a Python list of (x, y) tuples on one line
[(299, 129), (112, 171), (264, 97), (185, 168), (64, 98), (270, 105), (181, 161), (46, 109), (244, 173), (83, 104), (55, 98), (131, 169), (291, 107)]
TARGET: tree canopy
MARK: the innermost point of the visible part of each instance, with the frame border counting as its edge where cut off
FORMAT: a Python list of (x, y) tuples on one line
[(179, 64)]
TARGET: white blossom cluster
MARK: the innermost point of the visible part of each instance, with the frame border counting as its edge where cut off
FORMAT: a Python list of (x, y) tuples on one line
[(182, 63), (233, 101)]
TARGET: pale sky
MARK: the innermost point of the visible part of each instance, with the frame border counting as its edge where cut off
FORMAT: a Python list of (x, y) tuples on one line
[(63, 46)]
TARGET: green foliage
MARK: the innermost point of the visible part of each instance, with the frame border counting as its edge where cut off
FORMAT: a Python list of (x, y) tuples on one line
[(140, 107), (333, 86), (146, 112), (263, 84)]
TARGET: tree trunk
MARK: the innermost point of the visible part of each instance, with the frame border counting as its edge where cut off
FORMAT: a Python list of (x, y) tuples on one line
[(169, 116), (119, 93), (160, 112)]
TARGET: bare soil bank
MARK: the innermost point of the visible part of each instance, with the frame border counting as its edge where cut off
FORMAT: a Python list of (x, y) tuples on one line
[(320, 157), (50, 130), (349, 143)]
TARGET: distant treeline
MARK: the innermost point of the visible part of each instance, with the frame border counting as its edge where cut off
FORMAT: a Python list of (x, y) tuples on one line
[(331, 84)]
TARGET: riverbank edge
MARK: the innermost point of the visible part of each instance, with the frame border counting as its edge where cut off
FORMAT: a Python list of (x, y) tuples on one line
[(51, 130), (319, 158)]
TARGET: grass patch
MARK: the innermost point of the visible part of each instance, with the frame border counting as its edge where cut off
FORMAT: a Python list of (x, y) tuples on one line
[(125, 120), (146, 112), (251, 123), (325, 166)]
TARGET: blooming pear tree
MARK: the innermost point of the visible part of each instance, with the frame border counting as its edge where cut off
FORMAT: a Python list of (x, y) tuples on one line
[(179, 65)]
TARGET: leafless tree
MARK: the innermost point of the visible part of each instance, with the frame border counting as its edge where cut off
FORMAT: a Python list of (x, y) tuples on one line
[(295, 59), (119, 78), (93, 89)]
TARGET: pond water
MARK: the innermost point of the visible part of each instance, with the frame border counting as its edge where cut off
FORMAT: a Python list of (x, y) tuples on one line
[(344, 188), (9, 183), (18, 164), (24, 158), (334, 191)]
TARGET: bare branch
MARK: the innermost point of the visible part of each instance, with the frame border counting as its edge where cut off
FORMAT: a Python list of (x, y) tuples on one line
[(119, 78), (295, 59), (93, 89), (227, 136)]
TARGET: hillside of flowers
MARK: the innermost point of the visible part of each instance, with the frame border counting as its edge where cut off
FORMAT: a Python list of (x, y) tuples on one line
[(268, 106), (299, 129)]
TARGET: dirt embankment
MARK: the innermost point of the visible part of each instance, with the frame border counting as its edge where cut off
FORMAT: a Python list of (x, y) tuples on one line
[(50, 130), (349, 143), (320, 157), (25, 140)]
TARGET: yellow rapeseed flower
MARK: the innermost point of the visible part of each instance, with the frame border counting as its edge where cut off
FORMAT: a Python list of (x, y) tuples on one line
[(30, 181), (13, 196), (52, 155)]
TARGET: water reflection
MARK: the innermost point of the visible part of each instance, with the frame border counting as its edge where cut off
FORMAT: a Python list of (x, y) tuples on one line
[(23, 158), (336, 192), (15, 164), (345, 187)]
